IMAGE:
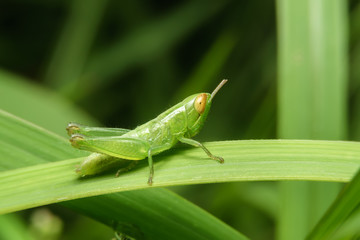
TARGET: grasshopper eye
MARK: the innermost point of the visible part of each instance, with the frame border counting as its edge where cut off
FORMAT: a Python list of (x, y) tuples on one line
[(200, 103)]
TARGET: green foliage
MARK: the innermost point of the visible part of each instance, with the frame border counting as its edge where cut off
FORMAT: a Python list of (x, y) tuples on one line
[(310, 160), (312, 97), (293, 74)]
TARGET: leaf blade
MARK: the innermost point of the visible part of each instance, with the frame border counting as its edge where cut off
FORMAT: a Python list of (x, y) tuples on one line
[(44, 146), (247, 160)]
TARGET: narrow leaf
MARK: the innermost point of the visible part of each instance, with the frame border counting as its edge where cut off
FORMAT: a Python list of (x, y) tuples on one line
[(244, 161), (345, 204), (25, 144)]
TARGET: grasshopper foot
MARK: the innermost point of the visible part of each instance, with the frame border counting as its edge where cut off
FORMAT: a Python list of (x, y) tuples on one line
[(150, 181), (219, 159)]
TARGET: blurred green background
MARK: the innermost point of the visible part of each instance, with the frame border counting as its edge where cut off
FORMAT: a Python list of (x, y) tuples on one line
[(121, 63)]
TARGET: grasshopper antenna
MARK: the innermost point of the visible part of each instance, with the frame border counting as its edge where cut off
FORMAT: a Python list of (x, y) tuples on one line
[(222, 83)]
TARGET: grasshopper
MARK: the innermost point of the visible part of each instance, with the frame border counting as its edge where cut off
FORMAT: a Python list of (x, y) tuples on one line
[(179, 123)]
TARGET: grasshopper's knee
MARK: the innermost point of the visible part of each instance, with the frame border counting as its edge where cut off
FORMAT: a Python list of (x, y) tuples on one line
[(72, 127), (76, 139)]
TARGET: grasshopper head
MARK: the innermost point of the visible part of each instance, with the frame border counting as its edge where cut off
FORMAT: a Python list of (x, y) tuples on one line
[(197, 108)]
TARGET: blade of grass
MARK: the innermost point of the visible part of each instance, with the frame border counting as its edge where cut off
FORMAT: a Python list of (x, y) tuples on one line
[(312, 88), (38, 105), (75, 42), (355, 73), (25, 144), (142, 45), (345, 204), (13, 228), (147, 208), (331, 79), (350, 228), (209, 67), (32, 145), (245, 161), (312, 71)]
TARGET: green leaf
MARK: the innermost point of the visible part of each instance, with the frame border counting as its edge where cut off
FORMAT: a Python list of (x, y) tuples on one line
[(209, 67), (144, 44), (155, 213), (37, 104), (164, 211), (350, 228), (12, 227), (75, 42), (312, 63), (244, 161), (23, 144), (345, 204)]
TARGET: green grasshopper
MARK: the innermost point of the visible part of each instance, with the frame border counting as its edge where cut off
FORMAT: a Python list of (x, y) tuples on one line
[(179, 123)]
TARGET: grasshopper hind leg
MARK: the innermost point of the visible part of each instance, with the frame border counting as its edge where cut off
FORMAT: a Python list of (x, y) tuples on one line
[(75, 128)]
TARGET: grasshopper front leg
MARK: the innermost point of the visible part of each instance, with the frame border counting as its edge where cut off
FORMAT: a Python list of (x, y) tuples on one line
[(151, 166), (198, 144)]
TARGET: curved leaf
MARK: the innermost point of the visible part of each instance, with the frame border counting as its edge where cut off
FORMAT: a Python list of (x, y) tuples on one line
[(244, 161), (154, 213)]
